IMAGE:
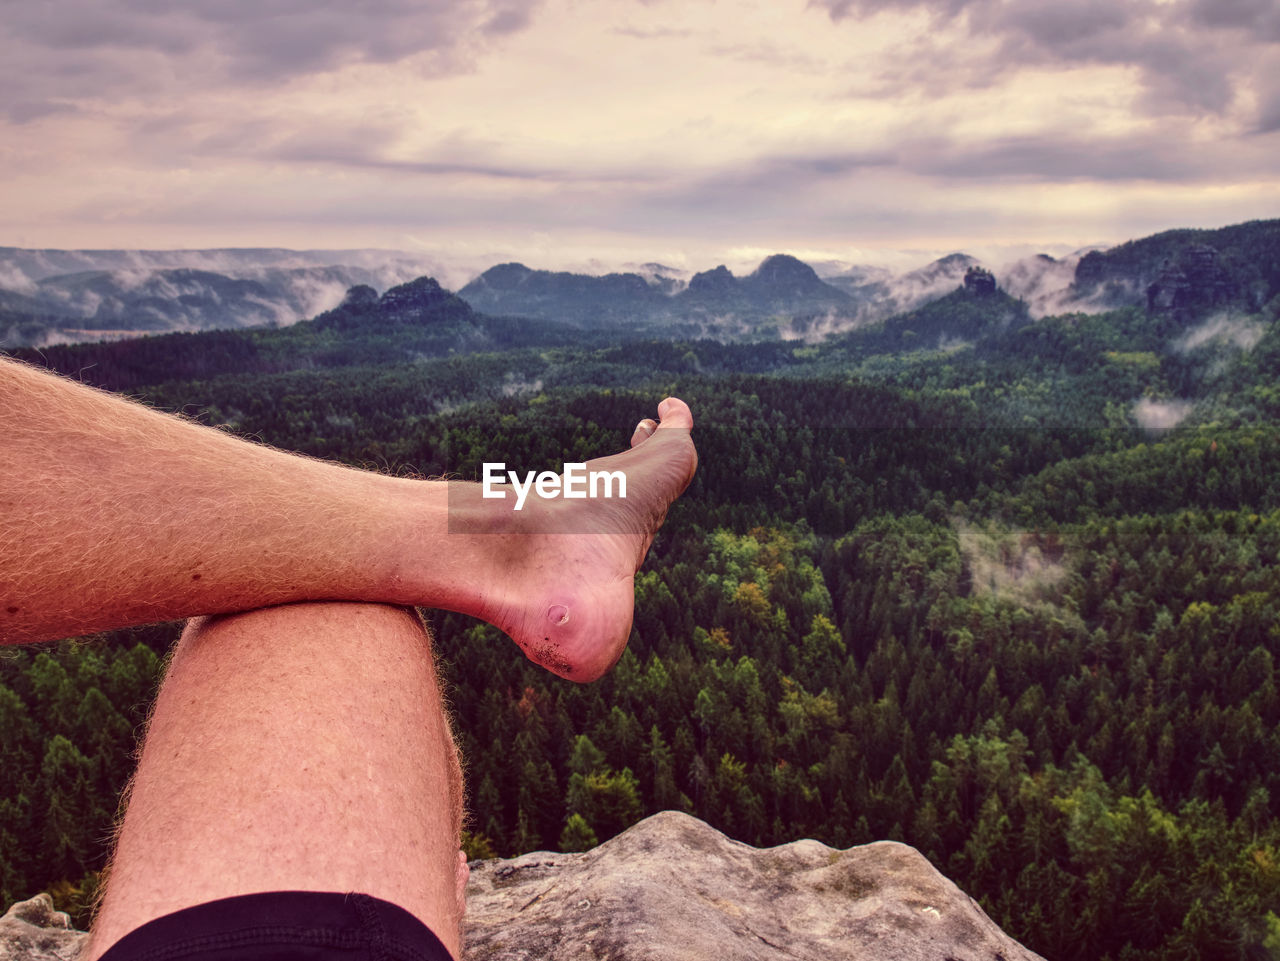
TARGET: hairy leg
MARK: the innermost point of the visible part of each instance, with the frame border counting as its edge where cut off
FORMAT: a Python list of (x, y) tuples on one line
[(303, 747), (113, 514)]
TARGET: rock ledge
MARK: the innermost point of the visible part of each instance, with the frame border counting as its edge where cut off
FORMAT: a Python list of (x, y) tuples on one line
[(671, 888), (33, 931)]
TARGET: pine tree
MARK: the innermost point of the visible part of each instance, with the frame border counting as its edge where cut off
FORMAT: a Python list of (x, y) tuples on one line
[(577, 835)]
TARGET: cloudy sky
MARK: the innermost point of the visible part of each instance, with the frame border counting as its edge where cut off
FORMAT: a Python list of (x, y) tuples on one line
[(690, 132)]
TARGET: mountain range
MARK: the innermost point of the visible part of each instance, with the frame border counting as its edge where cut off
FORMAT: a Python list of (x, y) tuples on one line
[(58, 296), (51, 296)]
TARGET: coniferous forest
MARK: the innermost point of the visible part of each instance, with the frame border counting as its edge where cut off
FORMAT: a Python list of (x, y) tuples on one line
[(934, 582)]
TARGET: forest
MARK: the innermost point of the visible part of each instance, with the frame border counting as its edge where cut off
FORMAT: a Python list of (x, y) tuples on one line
[(936, 581)]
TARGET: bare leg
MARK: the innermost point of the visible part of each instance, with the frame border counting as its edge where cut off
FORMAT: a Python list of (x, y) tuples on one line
[(302, 747), (112, 514)]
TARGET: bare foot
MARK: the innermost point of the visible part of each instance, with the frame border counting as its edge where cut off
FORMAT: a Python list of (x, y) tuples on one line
[(563, 586)]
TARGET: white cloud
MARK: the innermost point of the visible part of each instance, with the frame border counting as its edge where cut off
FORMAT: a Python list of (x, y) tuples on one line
[(1012, 564), (1161, 414), (1222, 330)]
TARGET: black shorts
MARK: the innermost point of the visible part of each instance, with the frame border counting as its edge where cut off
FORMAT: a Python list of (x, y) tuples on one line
[(284, 926)]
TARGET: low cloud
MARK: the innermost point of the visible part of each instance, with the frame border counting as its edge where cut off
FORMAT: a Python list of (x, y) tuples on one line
[(1222, 330), (814, 330), (514, 387), (197, 289), (1014, 565), (14, 278), (879, 293), (1041, 281), (1045, 284), (928, 282), (1161, 414)]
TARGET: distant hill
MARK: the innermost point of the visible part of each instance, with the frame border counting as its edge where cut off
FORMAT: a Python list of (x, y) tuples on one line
[(781, 286), (58, 296), (965, 317), (21, 266), (882, 294), (410, 323), (50, 296), (1186, 271), (617, 299)]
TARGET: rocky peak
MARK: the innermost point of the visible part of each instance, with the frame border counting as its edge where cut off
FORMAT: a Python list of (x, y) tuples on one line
[(783, 270), (416, 295), (979, 281), (360, 297), (625, 284), (503, 276), (717, 281), (421, 301), (34, 931), (1191, 280)]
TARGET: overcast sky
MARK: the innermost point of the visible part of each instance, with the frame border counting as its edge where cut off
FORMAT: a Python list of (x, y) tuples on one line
[(690, 132)]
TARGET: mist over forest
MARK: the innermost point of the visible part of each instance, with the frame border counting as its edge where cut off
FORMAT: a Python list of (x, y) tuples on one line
[(52, 297), (984, 558)]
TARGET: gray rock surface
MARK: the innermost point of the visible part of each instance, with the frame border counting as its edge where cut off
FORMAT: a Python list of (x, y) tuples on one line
[(33, 931), (671, 888)]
